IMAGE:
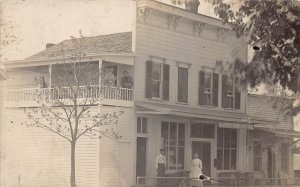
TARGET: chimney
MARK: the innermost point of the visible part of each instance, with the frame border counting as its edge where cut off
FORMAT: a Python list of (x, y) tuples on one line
[(48, 45), (192, 6)]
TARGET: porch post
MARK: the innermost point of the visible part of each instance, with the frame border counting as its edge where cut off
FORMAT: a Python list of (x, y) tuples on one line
[(100, 71), (50, 76)]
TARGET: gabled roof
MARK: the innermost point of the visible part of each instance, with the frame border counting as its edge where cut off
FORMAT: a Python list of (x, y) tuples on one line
[(112, 43)]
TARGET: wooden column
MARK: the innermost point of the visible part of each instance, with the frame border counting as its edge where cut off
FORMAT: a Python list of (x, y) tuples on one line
[(50, 76)]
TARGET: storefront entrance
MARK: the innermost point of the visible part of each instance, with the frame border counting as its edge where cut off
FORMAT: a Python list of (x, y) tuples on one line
[(204, 151), (141, 158)]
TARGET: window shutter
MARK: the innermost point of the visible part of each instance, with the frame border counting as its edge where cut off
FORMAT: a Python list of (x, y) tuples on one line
[(224, 89), (148, 85), (237, 95), (215, 89), (201, 88), (166, 78)]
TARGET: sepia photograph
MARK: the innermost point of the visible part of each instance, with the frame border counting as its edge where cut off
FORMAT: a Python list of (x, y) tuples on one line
[(149, 93)]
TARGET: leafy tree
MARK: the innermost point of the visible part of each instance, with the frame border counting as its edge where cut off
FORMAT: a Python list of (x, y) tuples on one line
[(68, 110), (272, 27)]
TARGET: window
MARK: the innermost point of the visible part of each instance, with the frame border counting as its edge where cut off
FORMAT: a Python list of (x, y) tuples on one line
[(284, 151), (226, 149), (157, 79), (231, 94), (172, 140), (208, 88), (182, 94), (142, 125), (202, 130), (257, 156)]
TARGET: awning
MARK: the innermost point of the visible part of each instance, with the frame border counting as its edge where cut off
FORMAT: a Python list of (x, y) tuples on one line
[(188, 112), (281, 132)]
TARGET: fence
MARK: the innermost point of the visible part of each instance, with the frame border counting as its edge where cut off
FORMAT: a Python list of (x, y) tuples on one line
[(216, 182)]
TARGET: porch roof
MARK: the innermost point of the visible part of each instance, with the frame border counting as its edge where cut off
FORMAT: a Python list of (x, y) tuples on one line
[(281, 132), (90, 46), (189, 112)]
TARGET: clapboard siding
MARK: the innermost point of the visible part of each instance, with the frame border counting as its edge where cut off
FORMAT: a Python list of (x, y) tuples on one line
[(36, 152), (155, 39), (116, 157), (262, 106)]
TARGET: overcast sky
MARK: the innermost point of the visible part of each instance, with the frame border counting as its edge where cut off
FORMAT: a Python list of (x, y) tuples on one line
[(37, 22)]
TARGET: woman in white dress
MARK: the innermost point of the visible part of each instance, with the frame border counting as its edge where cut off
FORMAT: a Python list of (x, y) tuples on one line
[(196, 171)]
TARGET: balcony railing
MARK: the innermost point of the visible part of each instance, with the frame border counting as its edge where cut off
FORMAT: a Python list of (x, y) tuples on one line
[(95, 91)]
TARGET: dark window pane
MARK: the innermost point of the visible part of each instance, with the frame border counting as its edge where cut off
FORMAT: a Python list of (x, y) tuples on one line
[(220, 159), (164, 132), (233, 138), (180, 161), (172, 157), (156, 72), (182, 84), (220, 137), (226, 158), (173, 134), (233, 159), (208, 131), (144, 126), (139, 125), (181, 134), (227, 138), (155, 88)]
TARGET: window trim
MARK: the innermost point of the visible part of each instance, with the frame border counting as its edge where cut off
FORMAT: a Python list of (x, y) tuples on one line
[(176, 146), (256, 143), (233, 92), (187, 99), (160, 81), (230, 149), (141, 134)]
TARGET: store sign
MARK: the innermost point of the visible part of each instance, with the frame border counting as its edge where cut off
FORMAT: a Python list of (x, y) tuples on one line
[(236, 125)]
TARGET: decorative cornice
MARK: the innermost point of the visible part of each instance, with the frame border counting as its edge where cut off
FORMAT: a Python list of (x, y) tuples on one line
[(198, 28), (173, 21), (221, 34), (144, 12)]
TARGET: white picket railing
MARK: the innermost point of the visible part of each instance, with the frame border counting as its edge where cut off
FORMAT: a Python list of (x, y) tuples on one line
[(102, 92)]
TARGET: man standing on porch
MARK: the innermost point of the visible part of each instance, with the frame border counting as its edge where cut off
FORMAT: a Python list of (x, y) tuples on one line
[(161, 167)]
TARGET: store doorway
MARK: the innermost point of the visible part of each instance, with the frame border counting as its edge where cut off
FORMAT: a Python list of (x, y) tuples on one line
[(204, 151), (141, 152)]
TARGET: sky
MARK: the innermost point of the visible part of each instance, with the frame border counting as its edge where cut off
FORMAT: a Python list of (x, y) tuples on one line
[(37, 22)]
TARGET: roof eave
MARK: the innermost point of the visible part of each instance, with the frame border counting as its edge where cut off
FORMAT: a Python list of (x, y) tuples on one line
[(39, 62)]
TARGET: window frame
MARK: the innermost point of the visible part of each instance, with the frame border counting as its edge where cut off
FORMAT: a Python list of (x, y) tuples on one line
[(177, 146), (187, 83), (258, 156), (160, 81), (210, 93), (142, 125), (230, 94), (284, 146), (223, 148)]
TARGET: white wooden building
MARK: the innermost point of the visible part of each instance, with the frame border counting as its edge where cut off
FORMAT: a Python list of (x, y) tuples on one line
[(181, 101)]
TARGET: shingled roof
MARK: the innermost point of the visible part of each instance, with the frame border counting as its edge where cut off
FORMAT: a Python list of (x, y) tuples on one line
[(112, 43)]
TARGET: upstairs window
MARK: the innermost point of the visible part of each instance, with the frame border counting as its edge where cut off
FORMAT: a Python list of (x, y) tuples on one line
[(157, 79), (231, 94), (182, 92), (208, 88)]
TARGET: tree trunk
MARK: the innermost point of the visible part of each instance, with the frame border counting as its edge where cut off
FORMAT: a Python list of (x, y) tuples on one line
[(73, 174)]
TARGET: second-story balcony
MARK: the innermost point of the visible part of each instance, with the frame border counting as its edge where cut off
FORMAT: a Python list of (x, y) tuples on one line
[(107, 95)]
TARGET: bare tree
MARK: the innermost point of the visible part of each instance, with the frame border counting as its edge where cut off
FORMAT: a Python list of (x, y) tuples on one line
[(68, 109)]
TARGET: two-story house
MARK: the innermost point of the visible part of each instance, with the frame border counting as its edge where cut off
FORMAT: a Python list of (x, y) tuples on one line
[(181, 101)]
